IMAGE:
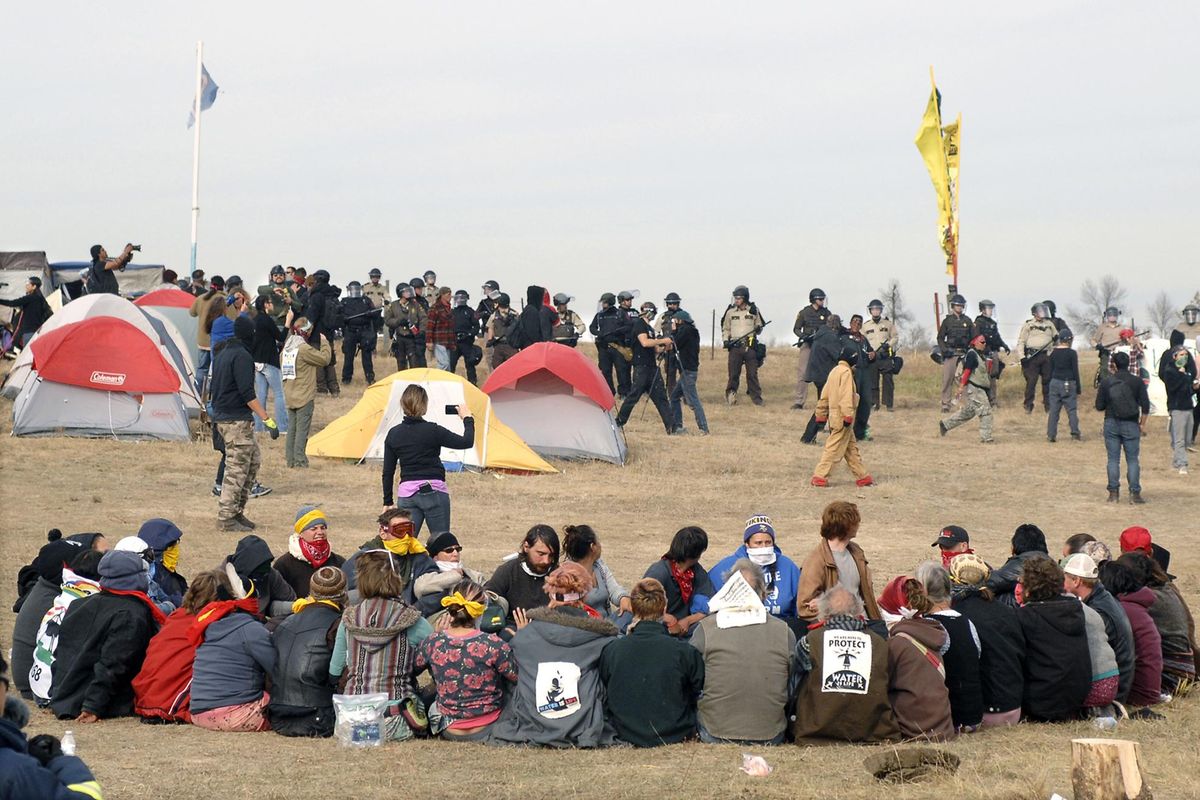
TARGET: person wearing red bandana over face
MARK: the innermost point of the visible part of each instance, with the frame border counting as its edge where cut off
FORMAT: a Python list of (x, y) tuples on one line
[(952, 540), (308, 550)]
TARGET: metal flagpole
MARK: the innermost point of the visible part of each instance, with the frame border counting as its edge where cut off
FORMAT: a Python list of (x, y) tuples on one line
[(196, 149)]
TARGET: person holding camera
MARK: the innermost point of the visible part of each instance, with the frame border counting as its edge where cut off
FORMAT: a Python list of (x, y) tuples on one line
[(646, 377), (101, 279), (416, 445), (687, 352), (234, 407), (34, 310)]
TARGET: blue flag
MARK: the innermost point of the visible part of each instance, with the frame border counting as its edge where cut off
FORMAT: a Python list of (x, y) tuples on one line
[(208, 94)]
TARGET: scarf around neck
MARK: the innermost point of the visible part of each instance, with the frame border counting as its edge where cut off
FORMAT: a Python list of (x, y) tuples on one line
[(315, 553), (155, 611), (216, 610), (684, 579)]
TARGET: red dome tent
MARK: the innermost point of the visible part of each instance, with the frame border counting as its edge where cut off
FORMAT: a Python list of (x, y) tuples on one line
[(558, 402), (98, 377)]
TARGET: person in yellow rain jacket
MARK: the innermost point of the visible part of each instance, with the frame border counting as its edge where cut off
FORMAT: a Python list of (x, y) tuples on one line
[(837, 404)]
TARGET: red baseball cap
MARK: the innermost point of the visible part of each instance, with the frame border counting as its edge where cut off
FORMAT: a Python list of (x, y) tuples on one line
[(1136, 539)]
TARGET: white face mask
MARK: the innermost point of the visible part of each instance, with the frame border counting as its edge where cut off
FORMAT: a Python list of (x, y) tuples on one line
[(762, 556), (447, 566)]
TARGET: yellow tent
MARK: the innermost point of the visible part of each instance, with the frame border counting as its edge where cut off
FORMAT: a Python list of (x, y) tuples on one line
[(359, 434)]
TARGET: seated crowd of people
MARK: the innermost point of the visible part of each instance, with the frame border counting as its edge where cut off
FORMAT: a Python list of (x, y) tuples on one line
[(552, 650)]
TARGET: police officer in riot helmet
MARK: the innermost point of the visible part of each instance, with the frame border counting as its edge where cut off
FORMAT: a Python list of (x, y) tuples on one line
[(406, 320), (487, 306), (629, 317), (466, 329), (1190, 327), (1052, 310), (882, 335), (1105, 339), (1037, 336), (570, 326), (358, 332), (954, 339), (606, 329), (740, 326), (985, 326), (809, 320)]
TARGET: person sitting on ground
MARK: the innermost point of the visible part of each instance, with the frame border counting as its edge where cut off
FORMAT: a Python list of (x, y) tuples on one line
[(80, 579), (416, 445), (234, 655), (469, 667), (1136, 539), (1058, 665), (1001, 643), (37, 767), (1074, 544), (430, 588), (1174, 622), (651, 679), (161, 688), (962, 657), (842, 676), (397, 536), (951, 541), (1088, 588), (780, 573), (377, 641), (135, 544), (1028, 542), (520, 580), (747, 667), (686, 582), (558, 700), (33, 603), (103, 641), (916, 647), (1136, 601), (163, 538), (301, 701), (251, 560), (308, 550), (836, 559), (1098, 550), (1105, 675), (609, 597)]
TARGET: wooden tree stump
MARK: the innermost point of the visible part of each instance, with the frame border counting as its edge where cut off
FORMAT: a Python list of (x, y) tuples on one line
[(1107, 769)]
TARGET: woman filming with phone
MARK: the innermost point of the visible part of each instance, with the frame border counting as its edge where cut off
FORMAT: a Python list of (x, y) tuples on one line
[(416, 444)]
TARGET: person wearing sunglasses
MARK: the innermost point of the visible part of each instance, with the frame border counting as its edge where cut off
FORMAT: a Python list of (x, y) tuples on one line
[(446, 552)]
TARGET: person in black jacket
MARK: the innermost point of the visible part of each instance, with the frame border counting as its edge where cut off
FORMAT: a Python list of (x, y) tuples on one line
[(234, 407), (416, 444), (102, 642), (687, 357), (1177, 371), (606, 330), (537, 321), (1002, 645), (647, 379), (1058, 667), (101, 278), (1121, 396), (358, 333), (826, 347), (301, 689), (252, 561), (466, 330), (962, 659), (319, 307), (1064, 385), (33, 311), (1028, 542), (862, 377), (268, 338)]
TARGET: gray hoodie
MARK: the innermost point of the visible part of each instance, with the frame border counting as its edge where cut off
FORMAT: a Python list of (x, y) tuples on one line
[(231, 662)]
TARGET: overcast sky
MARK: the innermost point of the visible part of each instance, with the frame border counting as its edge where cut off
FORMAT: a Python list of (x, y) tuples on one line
[(684, 146)]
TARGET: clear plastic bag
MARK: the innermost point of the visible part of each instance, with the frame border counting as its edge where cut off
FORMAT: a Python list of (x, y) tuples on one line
[(360, 720)]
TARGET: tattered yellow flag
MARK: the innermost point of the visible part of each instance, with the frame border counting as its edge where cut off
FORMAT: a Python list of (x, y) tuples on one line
[(939, 150)]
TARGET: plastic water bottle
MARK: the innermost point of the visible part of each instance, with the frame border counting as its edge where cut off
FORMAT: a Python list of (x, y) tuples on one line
[(68, 743), (1106, 723)]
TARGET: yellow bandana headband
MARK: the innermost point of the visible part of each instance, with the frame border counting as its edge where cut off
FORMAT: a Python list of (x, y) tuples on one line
[(474, 609), (308, 519)]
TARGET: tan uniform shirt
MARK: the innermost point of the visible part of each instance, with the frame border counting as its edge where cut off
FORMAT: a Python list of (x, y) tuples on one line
[(1190, 332), (1108, 335), (880, 333), (377, 293), (1036, 335), (740, 322), (570, 326)]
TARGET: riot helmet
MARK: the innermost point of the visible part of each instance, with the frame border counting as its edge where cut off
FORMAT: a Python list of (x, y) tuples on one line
[(672, 299), (815, 295), (353, 289), (608, 299), (958, 300), (1039, 311), (1191, 313)]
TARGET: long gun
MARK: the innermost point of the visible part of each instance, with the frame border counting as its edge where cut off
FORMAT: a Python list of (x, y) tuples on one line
[(735, 342)]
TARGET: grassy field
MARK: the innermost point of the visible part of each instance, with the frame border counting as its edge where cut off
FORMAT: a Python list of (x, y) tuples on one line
[(753, 463)]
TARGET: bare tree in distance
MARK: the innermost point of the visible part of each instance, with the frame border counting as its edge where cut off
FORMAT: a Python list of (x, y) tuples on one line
[(1095, 296), (912, 335), (1162, 313)]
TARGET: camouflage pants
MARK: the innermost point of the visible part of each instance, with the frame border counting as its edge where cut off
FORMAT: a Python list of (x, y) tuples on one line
[(977, 405), (242, 460)]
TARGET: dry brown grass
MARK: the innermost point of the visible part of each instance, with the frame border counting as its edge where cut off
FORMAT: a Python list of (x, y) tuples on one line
[(753, 463)]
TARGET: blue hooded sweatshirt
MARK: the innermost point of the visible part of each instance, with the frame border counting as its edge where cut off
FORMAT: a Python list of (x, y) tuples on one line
[(782, 577)]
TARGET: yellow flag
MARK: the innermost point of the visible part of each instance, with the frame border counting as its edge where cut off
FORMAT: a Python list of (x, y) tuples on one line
[(929, 143), (950, 142)]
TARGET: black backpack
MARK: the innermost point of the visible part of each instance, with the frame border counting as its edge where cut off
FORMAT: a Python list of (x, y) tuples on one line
[(332, 317), (1121, 401)]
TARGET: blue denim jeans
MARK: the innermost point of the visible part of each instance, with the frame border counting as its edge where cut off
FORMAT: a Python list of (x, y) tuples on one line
[(432, 508), (1118, 435), (270, 378), (708, 738), (685, 386), (202, 367)]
